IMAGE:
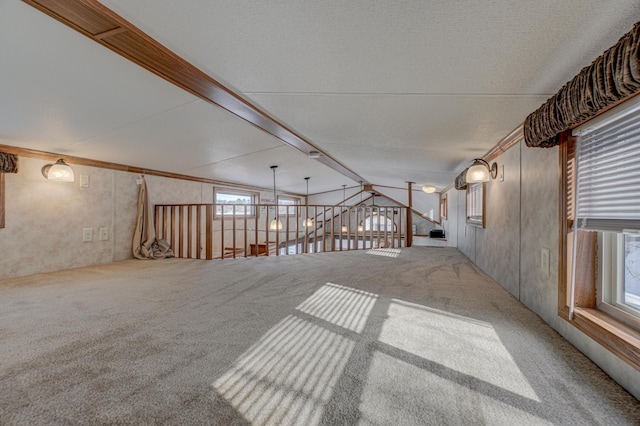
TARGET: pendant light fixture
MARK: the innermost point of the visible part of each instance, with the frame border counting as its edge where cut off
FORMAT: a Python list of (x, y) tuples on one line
[(373, 204), (360, 226), (275, 224), (308, 222), (343, 228)]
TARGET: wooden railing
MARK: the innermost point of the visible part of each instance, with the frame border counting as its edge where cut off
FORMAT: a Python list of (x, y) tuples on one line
[(208, 231)]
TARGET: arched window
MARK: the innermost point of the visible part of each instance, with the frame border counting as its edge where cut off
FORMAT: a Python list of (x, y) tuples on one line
[(379, 223)]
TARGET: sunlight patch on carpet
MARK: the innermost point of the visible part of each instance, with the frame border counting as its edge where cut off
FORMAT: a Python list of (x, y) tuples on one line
[(429, 398), (458, 343), (288, 376), (388, 252), (343, 306)]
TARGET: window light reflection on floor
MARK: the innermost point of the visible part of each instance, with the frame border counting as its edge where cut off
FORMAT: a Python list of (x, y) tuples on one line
[(343, 306), (388, 252), (477, 350), (288, 376)]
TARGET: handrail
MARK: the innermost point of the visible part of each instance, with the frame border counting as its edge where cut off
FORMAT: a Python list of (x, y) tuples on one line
[(222, 231)]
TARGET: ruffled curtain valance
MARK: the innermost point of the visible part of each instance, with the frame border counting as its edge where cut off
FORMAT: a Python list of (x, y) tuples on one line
[(612, 77), (8, 163)]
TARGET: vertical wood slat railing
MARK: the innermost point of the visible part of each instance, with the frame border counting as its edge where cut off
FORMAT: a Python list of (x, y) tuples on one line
[(243, 230)]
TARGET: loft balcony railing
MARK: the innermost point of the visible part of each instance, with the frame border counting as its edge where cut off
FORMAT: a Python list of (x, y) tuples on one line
[(222, 231)]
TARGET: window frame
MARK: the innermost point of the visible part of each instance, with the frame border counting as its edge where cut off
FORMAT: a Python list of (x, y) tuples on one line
[(614, 335), (369, 219), (2, 205), (255, 197), (609, 290), (481, 221), (292, 208), (443, 206)]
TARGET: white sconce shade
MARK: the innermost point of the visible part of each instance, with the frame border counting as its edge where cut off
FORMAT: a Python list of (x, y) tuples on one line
[(478, 172), (344, 229), (429, 189), (59, 172), (275, 225)]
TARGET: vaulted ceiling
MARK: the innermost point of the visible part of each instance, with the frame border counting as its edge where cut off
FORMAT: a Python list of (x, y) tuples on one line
[(395, 91)]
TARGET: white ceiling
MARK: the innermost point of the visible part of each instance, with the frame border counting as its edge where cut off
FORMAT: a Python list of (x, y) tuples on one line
[(401, 90)]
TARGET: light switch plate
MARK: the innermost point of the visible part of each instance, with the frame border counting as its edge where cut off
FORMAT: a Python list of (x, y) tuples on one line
[(104, 234), (87, 234), (544, 261), (84, 181)]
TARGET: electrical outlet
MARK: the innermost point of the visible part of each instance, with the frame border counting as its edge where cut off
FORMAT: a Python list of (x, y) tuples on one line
[(104, 234), (544, 261), (87, 234)]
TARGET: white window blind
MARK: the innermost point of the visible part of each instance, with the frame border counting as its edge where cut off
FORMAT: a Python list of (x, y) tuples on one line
[(608, 183), (474, 203)]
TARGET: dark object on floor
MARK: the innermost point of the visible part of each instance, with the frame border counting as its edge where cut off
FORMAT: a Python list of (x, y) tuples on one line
[(436, 233)]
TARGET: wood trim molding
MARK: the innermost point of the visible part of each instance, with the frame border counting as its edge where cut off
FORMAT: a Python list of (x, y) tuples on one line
[(618, 338), (49, 156), (2, 209), (99, 23), (507, 142), (436, 222)]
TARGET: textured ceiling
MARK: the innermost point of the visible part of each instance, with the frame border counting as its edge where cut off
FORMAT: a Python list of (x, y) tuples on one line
[(396, 91)]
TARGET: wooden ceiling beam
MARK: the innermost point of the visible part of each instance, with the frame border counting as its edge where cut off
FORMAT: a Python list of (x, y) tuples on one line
[(104, 26)]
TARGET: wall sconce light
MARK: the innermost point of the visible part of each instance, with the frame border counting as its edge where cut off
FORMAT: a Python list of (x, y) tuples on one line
[(59, 172), (429, 189), (480, 171)]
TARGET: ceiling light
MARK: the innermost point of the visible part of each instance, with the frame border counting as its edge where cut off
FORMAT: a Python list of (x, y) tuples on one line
[(478, 172), (314, 155), (59, 172), (429, 189)]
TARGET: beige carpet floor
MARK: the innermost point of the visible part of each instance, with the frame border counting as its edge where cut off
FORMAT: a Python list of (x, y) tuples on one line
[(387, 337)]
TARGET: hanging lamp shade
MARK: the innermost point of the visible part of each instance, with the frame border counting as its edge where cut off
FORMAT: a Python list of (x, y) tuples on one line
[(276, 224), (308, 222), (478, 172)]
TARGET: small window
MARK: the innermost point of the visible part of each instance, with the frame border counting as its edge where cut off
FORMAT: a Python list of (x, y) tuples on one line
[(288, 201), (475, 204), (379, 222), (228, 201), (443, 206)]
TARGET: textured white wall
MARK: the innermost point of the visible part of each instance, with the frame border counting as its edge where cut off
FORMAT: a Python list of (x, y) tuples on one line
[(44, 219), (522, 219), (498, 244)]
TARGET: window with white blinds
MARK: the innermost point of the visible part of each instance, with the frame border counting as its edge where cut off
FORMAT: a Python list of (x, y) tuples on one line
[(608, 176), (475, 201)]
